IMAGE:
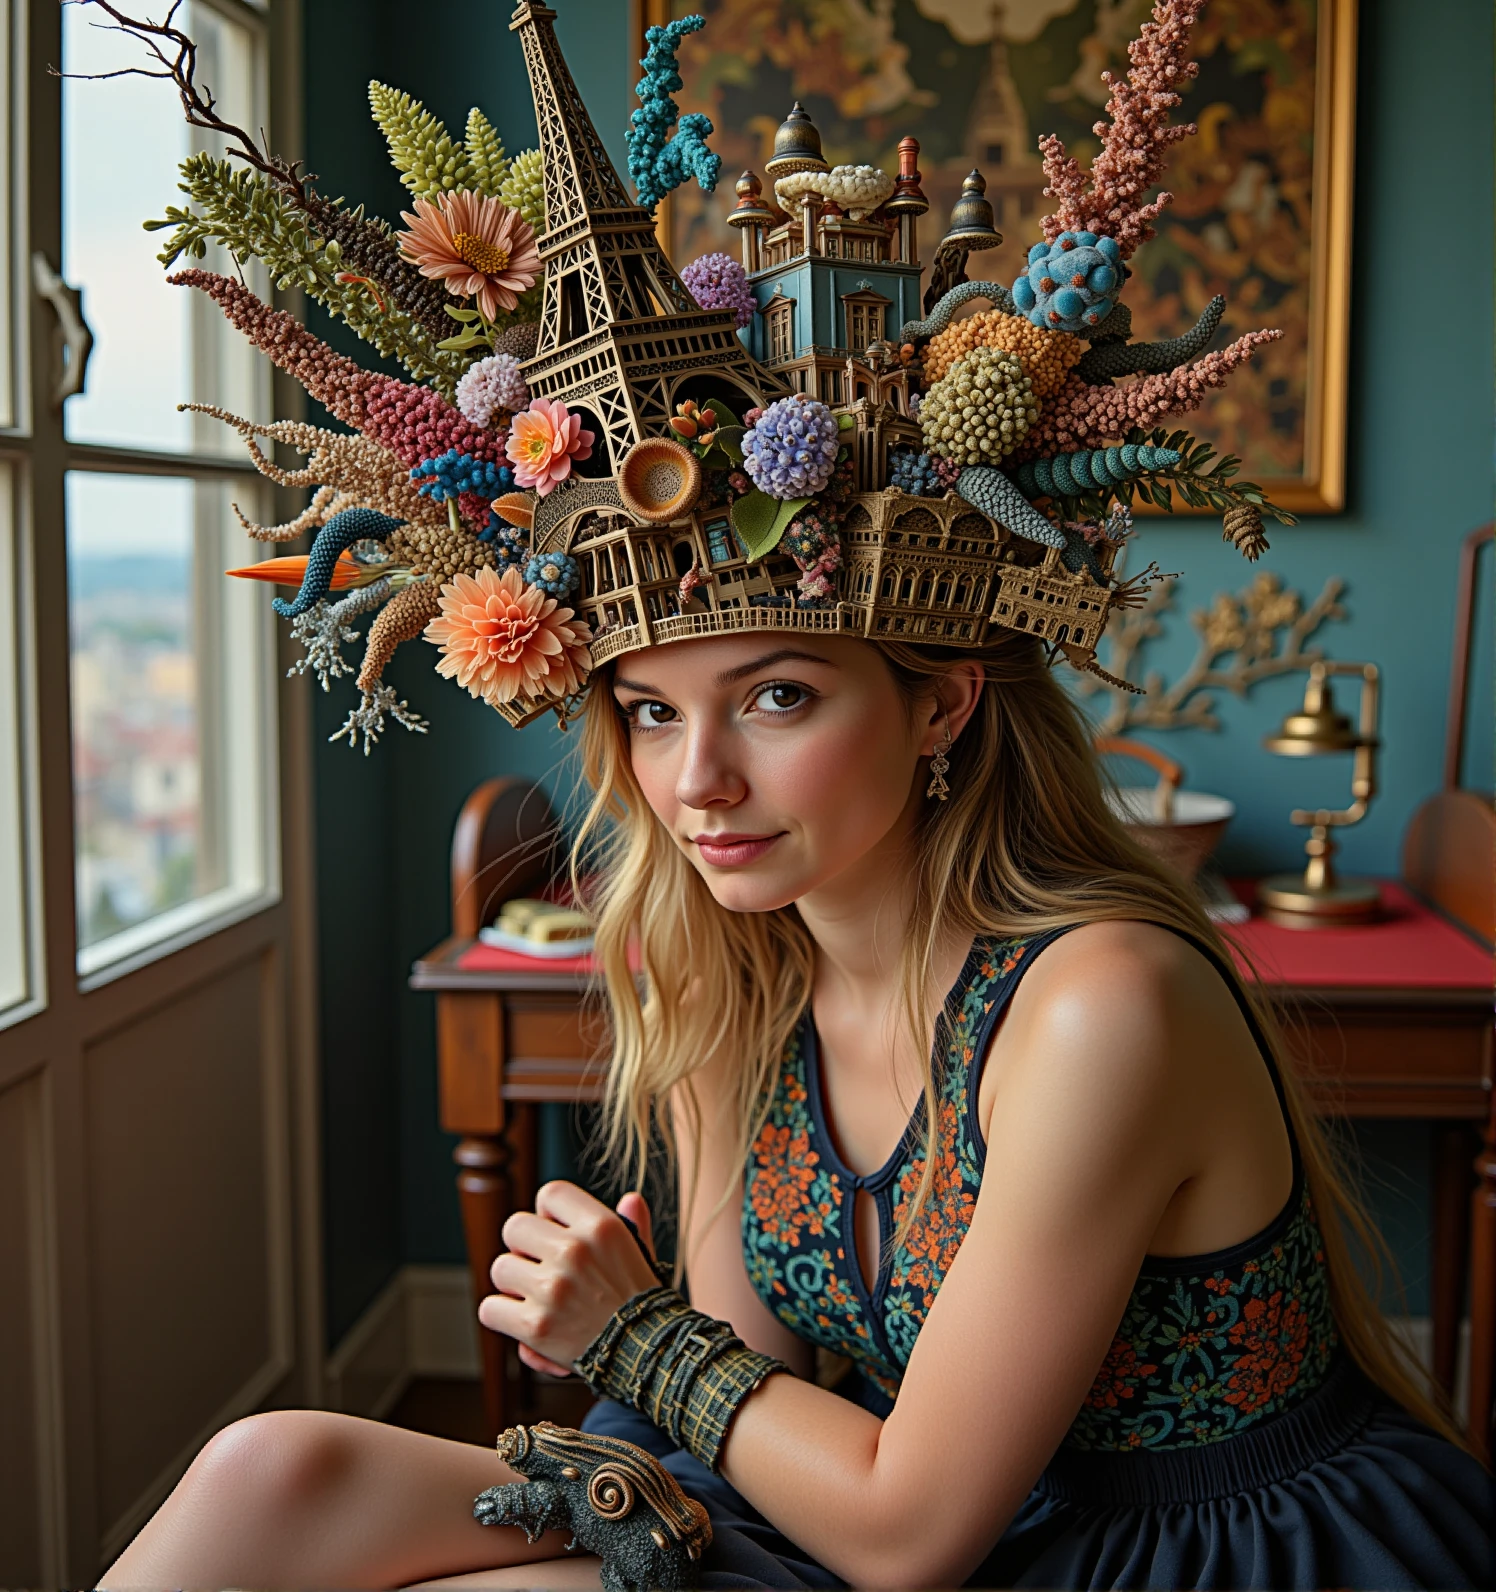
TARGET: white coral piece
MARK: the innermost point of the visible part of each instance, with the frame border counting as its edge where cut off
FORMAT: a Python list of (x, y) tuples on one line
[(859, 190), (324, 630), (367, 719)]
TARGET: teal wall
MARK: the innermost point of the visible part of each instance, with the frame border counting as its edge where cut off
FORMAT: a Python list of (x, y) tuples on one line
[(1420, 435)]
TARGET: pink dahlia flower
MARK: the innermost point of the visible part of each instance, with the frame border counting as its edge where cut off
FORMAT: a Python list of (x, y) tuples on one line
[(474, 245), (544, 441), (501, 639)]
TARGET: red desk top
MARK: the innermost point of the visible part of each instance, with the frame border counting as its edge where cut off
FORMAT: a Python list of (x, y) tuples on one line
[(1410, 947)]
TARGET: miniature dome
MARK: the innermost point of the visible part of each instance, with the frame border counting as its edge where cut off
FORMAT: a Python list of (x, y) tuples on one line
[(797, 146)]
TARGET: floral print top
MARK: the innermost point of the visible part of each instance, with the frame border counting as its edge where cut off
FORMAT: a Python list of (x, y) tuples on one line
[(1207, 1346)]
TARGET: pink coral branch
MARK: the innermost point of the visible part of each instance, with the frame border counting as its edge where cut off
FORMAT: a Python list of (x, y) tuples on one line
[(1133, 141), (1084, 416), (413, 423)]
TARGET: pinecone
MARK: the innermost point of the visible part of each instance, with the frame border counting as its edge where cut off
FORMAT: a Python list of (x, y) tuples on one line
[(1242, 527), (368, 250), (521, 340)]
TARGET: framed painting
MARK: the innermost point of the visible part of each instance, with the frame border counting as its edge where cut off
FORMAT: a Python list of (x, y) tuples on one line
[(1262, 194)]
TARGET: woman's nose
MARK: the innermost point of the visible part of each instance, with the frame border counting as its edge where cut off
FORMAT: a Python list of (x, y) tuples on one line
[(709, 775)]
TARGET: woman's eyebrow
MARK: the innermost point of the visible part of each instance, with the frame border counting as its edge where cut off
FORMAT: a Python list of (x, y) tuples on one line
[(784, 655), (731, 676)]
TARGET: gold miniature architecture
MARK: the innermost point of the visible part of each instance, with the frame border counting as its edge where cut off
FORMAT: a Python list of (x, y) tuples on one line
[(623, 342)]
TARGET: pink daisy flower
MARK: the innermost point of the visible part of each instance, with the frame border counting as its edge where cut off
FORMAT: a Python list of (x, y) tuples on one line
[(474, 245)]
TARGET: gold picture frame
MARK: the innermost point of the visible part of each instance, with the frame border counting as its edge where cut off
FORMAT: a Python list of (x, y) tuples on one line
[(1290, 428)]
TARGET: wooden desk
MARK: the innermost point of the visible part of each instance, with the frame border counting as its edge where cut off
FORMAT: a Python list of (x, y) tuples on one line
[(1370, 1046)]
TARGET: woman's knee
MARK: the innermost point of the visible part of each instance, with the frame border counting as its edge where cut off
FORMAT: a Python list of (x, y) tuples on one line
[(280, 1461)]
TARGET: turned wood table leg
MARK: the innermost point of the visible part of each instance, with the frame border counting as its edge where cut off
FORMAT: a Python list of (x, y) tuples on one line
[(483, 1189), (1453, 1147), (1483, 1294)]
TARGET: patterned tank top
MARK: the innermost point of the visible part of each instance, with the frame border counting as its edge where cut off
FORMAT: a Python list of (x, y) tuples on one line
[(1208, 1346)]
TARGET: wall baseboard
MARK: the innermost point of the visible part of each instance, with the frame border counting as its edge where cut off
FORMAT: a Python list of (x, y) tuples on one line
[(420, 1324)]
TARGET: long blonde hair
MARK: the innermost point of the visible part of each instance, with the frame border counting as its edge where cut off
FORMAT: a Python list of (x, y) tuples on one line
[(1027, 842)]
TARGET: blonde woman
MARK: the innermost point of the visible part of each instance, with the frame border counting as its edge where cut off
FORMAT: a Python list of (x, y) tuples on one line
[(961, 1087)]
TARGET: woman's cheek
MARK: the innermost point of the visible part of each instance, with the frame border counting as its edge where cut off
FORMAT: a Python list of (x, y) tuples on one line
[(844, 786)]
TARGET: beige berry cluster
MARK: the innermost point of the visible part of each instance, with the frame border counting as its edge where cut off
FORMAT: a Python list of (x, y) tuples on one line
[(980, 411), (1047, 356)]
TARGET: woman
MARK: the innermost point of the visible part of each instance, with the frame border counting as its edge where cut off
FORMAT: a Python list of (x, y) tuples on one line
[(1111, 1290)]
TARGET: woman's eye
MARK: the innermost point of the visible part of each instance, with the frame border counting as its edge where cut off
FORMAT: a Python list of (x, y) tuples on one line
[(650, 715), (782, 697)]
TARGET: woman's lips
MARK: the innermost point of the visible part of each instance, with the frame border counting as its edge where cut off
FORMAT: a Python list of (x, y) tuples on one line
[(732, 851)]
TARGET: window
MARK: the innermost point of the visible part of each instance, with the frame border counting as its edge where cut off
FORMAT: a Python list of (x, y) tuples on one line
[(863, 319), (779, 313), (171, 666)]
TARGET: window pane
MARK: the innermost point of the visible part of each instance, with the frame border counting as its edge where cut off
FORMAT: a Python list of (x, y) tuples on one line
[(7, 242), (15, 931), (169, 709), (155, 346)]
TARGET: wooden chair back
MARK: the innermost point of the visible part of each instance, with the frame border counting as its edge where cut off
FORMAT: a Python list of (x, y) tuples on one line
[(506, 844), (1449, 851)]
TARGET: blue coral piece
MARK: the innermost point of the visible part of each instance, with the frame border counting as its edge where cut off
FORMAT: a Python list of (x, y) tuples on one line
[(1070, 285), (555, 574), (989, 490), (335, 538), (655, 164), (1075, 474), (452, 473), (912, 472), (511, 550)]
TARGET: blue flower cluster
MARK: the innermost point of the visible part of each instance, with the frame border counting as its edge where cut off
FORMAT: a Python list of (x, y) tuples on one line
[(655, 165), (453, 473), (1072, 283), (912, 472), (509, 544), (790, 451), (554, 573)]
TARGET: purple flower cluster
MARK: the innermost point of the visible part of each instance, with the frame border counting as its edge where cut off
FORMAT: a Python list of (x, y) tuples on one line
[(718, 282), (791, 450), (492, 387)]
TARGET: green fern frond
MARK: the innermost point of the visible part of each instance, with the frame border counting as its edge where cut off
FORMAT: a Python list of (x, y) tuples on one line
[(485, 152), (421, 149)]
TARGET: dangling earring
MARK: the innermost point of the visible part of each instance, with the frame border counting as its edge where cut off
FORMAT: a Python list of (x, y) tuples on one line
[(940, 766)]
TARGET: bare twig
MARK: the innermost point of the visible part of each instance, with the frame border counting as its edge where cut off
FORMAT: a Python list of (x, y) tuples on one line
[(176, 56)]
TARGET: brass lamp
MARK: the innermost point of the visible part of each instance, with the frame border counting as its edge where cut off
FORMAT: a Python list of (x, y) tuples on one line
[(1317, 898)]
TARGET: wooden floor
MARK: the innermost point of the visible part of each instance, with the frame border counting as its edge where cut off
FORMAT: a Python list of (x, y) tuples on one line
[(453, 1407)]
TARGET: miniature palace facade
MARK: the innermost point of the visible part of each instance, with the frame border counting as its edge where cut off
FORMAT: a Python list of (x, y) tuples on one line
[(622, 342)]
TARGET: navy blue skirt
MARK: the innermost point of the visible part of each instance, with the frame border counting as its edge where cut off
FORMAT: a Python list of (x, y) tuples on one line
[(1345, 1490)]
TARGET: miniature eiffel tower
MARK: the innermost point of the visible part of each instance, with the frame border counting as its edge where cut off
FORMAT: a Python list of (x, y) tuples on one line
[(620, 334)]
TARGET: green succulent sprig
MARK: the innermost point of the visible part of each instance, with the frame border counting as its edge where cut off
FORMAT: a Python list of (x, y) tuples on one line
[(254, 219), (485, 153), (1201, 479), (428, 159)]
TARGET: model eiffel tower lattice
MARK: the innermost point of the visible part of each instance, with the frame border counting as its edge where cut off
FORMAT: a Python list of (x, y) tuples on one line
[(618, 329)]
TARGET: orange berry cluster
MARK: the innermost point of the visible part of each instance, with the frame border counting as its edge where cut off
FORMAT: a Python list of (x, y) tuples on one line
[(1047, 356)]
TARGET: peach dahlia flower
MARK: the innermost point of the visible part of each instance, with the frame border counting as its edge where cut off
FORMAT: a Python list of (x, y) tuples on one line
[(476, 246), (502, 639), (544, 441)]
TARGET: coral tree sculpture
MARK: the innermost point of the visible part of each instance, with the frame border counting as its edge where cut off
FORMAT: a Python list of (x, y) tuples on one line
[(658, 162)]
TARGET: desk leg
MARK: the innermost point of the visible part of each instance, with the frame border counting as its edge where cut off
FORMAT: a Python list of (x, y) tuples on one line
[(1453, 1145), (1483, 1294), (483, 1188)]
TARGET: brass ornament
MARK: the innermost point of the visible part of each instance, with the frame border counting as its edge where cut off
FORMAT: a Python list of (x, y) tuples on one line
[(940, 766)]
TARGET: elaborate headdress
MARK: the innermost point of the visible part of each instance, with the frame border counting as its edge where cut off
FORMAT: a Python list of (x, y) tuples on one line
[(597, 454)]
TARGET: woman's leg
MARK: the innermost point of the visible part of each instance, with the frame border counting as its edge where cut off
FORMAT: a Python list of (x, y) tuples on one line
[(303, 1498)]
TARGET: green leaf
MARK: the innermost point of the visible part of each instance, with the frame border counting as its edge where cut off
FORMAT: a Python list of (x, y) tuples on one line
[(725, 416), (461, 315), (845, 422), (788, 509), (753, 517), (730, 441)]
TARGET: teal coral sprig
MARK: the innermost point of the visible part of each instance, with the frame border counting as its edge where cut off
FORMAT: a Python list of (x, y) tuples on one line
[(657, 162)]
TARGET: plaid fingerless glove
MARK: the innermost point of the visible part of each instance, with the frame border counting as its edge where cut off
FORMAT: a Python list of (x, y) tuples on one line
[(685, 1371)]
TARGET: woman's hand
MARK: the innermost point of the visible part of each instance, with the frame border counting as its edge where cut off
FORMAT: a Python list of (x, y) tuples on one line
[(571, 1264)]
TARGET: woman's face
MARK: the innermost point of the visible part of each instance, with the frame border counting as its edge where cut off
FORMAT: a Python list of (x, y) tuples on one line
[(780, 763)]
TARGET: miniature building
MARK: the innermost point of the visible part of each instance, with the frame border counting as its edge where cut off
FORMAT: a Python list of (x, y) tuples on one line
[(827, 286)]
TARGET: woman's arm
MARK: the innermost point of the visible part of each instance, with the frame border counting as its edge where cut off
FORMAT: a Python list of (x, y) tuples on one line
[(1104, 1057)]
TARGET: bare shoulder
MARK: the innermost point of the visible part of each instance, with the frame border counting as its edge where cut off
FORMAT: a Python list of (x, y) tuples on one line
[(1128, 1016)]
